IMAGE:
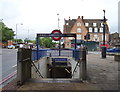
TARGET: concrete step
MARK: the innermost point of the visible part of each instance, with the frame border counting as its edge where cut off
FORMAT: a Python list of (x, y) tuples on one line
[(57, 84), (55, 80)]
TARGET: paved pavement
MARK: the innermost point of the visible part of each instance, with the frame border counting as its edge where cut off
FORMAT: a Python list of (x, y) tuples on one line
[(102, 72)]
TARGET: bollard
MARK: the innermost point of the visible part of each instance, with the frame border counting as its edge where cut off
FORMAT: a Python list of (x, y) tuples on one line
[(83, 64), (103, 49)]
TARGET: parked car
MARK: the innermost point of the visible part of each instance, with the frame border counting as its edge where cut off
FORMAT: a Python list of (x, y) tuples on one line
[(11, 47), (113, 50)]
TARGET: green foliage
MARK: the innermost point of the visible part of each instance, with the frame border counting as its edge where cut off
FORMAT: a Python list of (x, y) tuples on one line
[(33, 41), (7, 33), (17, 40), (46, 42), (29, 41)]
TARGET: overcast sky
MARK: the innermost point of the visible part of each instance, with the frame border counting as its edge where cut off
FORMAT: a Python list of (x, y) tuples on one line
[(40, 16)]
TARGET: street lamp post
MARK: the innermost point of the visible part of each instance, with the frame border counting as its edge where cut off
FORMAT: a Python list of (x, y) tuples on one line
[(59, 40), (104, 47), (17, 29), (28, 34), (58, 21)]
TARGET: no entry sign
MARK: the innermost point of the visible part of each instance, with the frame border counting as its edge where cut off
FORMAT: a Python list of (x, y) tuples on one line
[(56, 32)]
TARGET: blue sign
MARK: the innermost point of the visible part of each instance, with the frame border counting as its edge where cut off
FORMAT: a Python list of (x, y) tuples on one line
[(59, 59)]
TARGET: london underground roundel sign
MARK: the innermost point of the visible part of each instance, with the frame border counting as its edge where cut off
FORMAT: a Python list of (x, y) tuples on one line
[(56, 32)]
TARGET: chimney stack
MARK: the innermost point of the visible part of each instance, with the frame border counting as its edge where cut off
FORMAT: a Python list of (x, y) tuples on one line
[(69, 17), (82, 17), (78, 17)]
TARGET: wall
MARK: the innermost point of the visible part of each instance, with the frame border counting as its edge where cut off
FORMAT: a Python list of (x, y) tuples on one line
[(42, 68)]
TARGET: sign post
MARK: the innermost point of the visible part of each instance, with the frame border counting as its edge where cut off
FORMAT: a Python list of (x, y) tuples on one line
[(104, 47)]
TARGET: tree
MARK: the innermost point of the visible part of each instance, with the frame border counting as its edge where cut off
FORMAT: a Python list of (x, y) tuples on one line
[(46, 42), (29, 41), (17, 40), (7, 33)]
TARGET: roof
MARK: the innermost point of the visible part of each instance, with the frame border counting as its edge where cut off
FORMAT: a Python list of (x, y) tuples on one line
[(70, 23)]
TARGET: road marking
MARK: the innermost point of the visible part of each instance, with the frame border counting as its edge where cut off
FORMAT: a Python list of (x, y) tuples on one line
[(8, 77), (14, 65)]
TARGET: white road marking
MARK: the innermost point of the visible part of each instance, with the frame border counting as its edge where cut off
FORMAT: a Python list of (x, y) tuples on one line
[(14, 65)]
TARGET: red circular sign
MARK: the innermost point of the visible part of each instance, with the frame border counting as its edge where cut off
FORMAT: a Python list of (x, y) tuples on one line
[(56, 32)]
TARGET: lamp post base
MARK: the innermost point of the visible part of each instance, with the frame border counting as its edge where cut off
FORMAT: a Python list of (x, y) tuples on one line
[(103, 53)]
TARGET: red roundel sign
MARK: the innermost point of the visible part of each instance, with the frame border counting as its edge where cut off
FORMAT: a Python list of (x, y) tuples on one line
[(56, 32)]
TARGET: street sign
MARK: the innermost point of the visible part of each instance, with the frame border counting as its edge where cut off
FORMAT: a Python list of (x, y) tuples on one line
[(58, 32)]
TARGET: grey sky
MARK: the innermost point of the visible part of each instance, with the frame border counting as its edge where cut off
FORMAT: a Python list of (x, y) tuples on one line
[(40, 16)]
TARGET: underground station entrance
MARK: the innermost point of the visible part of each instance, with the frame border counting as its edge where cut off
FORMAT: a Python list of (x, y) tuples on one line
[(51, 65)]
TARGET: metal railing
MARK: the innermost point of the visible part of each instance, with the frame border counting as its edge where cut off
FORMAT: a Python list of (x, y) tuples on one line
[(55, 52), (39, 73)]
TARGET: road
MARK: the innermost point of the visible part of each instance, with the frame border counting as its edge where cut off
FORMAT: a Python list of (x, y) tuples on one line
[(9, 61)]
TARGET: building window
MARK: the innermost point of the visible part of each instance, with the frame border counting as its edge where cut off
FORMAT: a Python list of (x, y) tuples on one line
[(101, 24), (95, 29), (68, 43), (86, 24), (118, 40), (101, 29), (78, 24), (67, 23), (70, 38), (79, 30), (94, 24), (78, 36), (96, 38), (90, 29)]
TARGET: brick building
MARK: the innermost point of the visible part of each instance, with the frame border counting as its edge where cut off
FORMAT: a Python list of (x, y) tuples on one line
[(114, 40), (81, 27)]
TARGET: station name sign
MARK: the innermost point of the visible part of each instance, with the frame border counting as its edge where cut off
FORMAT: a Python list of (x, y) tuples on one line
[(56, 35)]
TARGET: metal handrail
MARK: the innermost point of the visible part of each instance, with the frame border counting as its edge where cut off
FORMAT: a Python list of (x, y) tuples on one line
[(77, 65), (37, 70)]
